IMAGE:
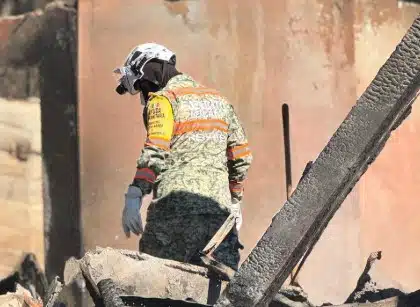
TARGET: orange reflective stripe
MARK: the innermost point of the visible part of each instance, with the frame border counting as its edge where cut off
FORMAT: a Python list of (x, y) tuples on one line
[(145, 174), (158, 142), (235, 186), (238, 152), (242, 155), (195, 91), (200, 125)]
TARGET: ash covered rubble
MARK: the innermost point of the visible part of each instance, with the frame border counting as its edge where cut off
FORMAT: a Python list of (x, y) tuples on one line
[(125, 278), (116, 278), (27, 286)]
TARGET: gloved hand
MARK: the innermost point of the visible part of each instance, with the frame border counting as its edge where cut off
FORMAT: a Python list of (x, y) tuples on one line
[(237, 211), (131, 219)]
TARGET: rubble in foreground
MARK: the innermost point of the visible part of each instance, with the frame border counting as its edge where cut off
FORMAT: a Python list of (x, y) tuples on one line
[(127, 278), (27, 286), (21, 297), (117, 278)]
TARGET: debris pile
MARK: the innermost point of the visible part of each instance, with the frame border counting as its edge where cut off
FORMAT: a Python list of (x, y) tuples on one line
[(20, 297), (27, 286), (116, 277), (128, 278)]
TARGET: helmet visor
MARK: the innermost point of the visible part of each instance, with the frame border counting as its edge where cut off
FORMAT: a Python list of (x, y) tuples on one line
[(118, 74), (126, 78), (119, 79)]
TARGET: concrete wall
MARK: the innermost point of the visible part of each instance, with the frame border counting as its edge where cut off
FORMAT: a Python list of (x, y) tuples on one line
[(21, 218), (316, 56)]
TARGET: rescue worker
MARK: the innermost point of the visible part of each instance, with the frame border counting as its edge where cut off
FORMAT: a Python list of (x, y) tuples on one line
[(195, 160)]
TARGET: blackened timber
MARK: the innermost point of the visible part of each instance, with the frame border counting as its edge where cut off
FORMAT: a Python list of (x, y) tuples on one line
[(357, 142), (110, 293)]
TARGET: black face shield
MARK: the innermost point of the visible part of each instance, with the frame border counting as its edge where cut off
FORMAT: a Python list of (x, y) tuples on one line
[(156, 76)]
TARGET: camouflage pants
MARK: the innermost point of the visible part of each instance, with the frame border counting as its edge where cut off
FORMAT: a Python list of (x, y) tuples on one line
[(181, 239)]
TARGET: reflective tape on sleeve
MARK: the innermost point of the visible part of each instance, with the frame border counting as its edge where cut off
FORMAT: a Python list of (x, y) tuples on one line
[(200, 125), (158, 142), (235, 186), (238, 152)]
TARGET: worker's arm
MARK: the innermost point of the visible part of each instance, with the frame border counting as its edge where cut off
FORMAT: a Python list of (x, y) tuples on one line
[(239, 157), (159, 123)]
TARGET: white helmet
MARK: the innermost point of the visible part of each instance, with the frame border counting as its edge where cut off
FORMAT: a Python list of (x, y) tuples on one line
[(132, 70)]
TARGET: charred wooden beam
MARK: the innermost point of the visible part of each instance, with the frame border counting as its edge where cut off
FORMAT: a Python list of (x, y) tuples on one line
[(53, 292), (158, 302), (110, 293), (360, 138), (406, 300)]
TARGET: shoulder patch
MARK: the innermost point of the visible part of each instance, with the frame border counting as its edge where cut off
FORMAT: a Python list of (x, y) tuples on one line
[(160, 118)]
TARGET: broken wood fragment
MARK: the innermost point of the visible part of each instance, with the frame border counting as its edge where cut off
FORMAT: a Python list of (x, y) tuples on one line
[(53, 291), (364, 278), (110, 294)]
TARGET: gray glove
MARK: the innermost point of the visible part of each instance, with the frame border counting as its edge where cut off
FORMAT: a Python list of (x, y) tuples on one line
[(237, 211), (131, 219)]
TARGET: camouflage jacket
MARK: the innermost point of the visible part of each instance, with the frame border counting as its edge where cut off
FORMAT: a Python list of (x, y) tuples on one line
[(196, 155)]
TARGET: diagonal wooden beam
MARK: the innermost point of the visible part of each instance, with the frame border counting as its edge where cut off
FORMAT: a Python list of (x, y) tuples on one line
[(359, 139)]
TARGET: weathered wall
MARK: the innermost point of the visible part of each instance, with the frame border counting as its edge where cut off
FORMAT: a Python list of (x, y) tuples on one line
[(389, 191), (21, 218)]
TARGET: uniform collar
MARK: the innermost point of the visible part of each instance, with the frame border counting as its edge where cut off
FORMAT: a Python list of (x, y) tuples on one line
[(182, 78)]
